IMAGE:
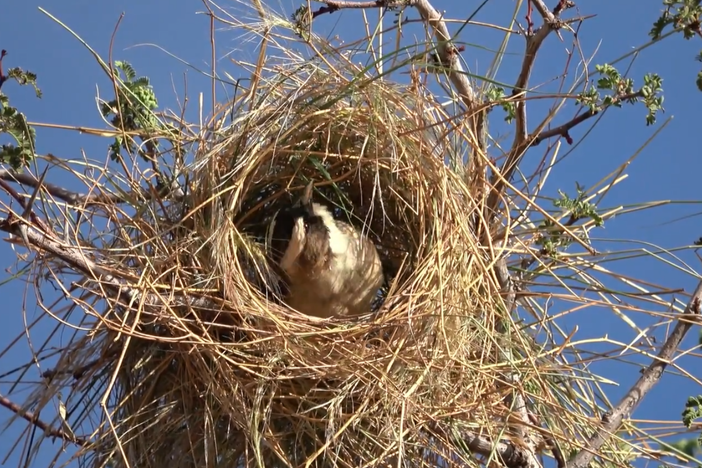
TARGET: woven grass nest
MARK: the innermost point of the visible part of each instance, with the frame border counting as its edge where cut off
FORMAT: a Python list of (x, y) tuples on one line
[(239, 378)]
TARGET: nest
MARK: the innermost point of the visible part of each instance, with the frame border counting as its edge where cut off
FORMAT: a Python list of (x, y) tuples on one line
[(207, 366), (267, 383), (247, 379)]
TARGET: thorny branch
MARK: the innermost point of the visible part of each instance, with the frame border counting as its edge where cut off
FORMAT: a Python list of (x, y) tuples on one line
[(649, 377)]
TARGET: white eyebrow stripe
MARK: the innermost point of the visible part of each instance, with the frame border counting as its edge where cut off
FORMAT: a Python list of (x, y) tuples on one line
[(338, 241)]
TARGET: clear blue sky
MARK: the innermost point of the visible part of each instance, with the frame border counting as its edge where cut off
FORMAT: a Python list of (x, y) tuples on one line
[(666, 169)]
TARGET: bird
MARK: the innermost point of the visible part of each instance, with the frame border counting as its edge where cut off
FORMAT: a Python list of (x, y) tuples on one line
[(330, 268)]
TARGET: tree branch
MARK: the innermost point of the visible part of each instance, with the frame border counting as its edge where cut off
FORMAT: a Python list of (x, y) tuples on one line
[(650, 377), (447, 52), (3, 77), (34, 419), (333, 6), (72, 198), (533, 44), (522, 142), (75, 258), (511, 455), (75, 198), (562, 130)]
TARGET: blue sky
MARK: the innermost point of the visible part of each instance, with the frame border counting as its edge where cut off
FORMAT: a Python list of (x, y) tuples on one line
[(666, 169)]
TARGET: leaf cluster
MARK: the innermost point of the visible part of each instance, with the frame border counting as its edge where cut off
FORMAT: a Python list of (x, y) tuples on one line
[(552, 236), (683, 16), (496, 94), (14, 123), (618, 90), (131, 110)]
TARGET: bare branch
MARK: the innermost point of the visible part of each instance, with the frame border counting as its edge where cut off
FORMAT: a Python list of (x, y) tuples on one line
[(3, 77), (333, 6), (448, 54), (510, 454), (34, 419), (80, 199), (548, 16), (13, 193), (649, 377), (522, 142), (533, 44), (72, 198), (563, 5)]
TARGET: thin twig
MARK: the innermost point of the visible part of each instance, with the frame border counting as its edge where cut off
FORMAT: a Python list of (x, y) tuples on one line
[(79, 199), (521, 140), (13, 193), (511, 455), (562, 130), (3, 77), (72, 198), (448, 54)]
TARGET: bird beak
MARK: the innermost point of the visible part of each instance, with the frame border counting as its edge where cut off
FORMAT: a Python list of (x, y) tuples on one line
[(307, 194), (306, 199)]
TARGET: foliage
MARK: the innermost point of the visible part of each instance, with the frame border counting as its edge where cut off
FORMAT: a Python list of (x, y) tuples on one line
[(683, 16), (622, 90), (131, 111), (14, 123), (552, 236), (496, 94)]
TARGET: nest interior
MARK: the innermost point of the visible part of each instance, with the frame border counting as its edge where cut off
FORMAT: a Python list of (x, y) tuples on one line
[(244, 380)]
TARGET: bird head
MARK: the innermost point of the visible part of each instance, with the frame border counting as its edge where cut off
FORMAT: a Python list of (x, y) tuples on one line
[(300, 234)]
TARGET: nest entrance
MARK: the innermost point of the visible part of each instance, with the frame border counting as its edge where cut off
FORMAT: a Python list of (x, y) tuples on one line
[(376, 209), (389, 187)]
